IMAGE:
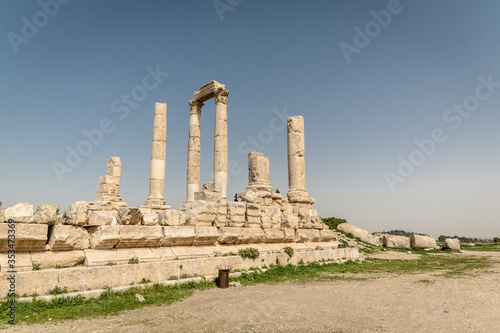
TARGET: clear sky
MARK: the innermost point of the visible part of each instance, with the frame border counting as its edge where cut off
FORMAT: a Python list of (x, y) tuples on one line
[(400, 99)]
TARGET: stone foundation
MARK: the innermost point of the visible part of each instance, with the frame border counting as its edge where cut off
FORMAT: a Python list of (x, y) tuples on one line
[(111, 268)]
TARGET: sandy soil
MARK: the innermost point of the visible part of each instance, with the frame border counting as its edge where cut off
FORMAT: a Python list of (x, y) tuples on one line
[(391, 303)]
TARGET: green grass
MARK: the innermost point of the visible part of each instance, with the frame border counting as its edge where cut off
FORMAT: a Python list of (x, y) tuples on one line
[(447, 265), (487, 247)]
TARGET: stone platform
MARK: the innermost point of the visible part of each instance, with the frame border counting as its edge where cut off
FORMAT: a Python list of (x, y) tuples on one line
[(111, 268)]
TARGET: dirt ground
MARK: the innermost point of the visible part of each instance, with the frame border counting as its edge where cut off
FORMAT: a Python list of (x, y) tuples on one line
[(390, 303)]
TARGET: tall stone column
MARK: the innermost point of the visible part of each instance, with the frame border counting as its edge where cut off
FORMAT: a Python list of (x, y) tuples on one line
[(193, 163), (220, 139), (296, 160), (158, 151)]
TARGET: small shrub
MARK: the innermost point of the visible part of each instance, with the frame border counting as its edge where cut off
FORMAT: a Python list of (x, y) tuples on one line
[(496, 239), (144, 281), (58, 290), (180, 266), (133, 261), (349, 235), (250, 252), (289, 251), (113, 263), (36, 266)]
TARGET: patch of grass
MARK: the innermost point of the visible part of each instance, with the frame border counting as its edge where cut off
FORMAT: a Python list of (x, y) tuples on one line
[(133, 261), (59, 267), (486, 247), (145, 281), (172, 278), (58, 291), (112, 263), (36, 266), (249, 252)]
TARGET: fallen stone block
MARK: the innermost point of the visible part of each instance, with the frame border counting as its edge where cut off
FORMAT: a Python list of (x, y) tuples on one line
[(422, 242), (362, 234), (129, 216), (46, 214), (50, 259), (172, 217), (229, 235), (396, 242), (20, 213), (206, 235), (104, 237), (76, 214), (178, 235), (98, 218), (139, 236), (452, 244), (68, 238), (29, 237)]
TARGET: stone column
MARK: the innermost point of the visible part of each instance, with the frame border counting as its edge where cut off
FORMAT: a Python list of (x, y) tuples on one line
[(109, 185), (296, 159), (158, 151), (220, 139), (193, 163), (258, 172)]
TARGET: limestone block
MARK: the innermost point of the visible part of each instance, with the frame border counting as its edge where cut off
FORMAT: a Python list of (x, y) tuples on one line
[(252, 235), (206, 235), (46, 214), (192, 252), (172, 217), (163, 253), (104, 237), (129, 216), (290, 221), (75, 214), (150, 219), (271, 217), (221, 218), (253, 216), (274, 235), (452, 244), (289, 235), (307, 235), (68, 238), (362, 234), (145, 255), (50, 259), (229, 235), (2, 215), (422, 242), (327, 235), (236, 214), (29, 237), (21, 263), (178, 235), (201, 213), (103, 257), (139, 236), (20, 213), (98, 218), (397, 242)]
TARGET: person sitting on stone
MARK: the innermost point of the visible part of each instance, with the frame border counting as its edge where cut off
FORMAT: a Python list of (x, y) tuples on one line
[(277, 191), (236, 197)]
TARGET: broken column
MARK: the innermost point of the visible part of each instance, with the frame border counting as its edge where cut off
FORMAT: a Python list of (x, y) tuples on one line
[(258, 173), (155, 201), (193, 163), (296, 161), (108, 190), (220, 139)]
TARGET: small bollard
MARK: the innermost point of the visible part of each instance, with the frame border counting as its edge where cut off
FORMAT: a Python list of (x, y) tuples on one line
[(223, 280)]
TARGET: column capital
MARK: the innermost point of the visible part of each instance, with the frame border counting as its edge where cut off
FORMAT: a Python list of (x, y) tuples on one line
[(220, 95), (195, 105)]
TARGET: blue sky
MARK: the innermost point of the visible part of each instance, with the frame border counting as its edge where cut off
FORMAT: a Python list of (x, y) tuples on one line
[(363, 109)]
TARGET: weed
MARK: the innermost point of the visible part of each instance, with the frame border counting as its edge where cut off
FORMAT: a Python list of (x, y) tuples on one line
[(58, 290), (288, 250), (145, 281), (250, 252), (133, 261), (36, 266), (113, 263)]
